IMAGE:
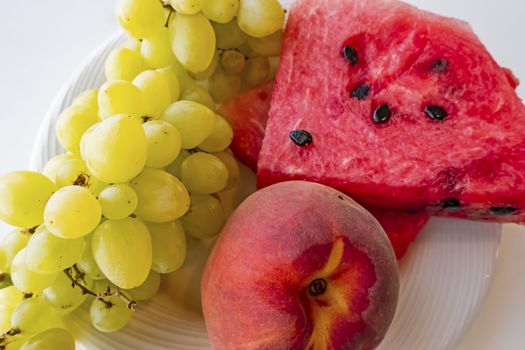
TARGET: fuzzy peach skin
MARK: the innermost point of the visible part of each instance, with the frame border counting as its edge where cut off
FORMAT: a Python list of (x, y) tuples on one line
[(300, 266)]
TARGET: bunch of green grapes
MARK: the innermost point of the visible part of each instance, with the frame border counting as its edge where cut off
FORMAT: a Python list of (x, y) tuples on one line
[(146, 160)]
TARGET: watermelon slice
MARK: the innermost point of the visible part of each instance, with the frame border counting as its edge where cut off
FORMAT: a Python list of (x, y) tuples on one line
[(400, 108), (248, 114)]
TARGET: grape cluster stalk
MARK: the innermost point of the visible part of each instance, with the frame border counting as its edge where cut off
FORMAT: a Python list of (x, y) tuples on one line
[(145, 162)]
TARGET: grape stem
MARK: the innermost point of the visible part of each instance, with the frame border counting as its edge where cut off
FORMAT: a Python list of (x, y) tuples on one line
[(166, 4), (4, 338)]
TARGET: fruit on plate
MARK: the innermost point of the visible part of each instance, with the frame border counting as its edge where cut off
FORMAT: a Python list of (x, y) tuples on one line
[(248, 114), (398, 107), (300, 265)]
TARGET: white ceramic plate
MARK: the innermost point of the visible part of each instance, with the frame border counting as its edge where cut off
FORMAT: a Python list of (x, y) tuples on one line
[(444, 278)]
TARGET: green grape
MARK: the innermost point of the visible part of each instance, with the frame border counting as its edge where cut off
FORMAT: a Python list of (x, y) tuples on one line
[(162, 197), (121, 97), (75, 172), (205, 217), (72, 212), (140, 18), (88, 97), (169, 246), (156, 90), (87, 262), (133, 44), (200, 95), (207, 73), (64, 295), (223, 86), (232, 61), (146, 290), (260, 18), (34, 315), (56, 338), (204, 173), (5, 318), (103, 287), (221, 11), (233, 168), (193, 41), (176, 72), (15, 344), (193, 120), (116, 150), (52, 166), (267, 46), (122, 250), (156, 50), (72, 123), (220, 138), (10, 244), (118, 201), (164, 143), (229, 35), (10, 297), (123, 64), (257, 71), (26, 280), (174, 167), (192, 242), (187, 7), (23, 197), (47, 253), (110, 318), (173, 82)]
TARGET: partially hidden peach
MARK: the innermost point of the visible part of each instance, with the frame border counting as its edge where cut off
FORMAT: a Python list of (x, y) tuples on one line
[(300, 266)]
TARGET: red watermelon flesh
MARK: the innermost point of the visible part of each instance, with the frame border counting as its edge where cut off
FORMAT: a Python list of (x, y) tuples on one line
[(414, 64), (248, 113)]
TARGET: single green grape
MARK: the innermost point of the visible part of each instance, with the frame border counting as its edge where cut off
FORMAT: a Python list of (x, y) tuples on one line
[(133, 44), (193, 120), (156, 90), (156, 50), (234, 172), (123, 64), (207, 73), (75, 172), (200, 95), (26, 280), (257, 71), (204, 173), (193, 41), (220, 138), (87, 262), (223, 86), (72, 123), (121, 97), (169, 246), (164, 143), (205, 218), (146, 290), (110, 318), (259, 18), (65, 296), (116, 150), (5, 318), (187, 7), (23, 197), (15, 344), (232, 62), (87, 97), (162, 197), (47, 253), (173, 82), (176, 72), (52, 166), (123, 251), (34, 315), (192, 242), (140, 18), (229, 35), (174, 167), (10, 297), (266, 46), (118, 201), (55, 338), (72, 212), (221, 11), (10, 244)]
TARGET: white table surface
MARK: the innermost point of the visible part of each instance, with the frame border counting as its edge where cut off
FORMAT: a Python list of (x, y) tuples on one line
[(43, 42)]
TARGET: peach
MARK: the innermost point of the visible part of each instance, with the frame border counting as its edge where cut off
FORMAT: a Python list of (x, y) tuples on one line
[(300, 266)]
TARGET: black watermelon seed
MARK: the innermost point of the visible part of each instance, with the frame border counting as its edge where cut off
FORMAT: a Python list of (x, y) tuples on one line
[(361, 92), (503, 210), (382, 113), (439, 66), (301, 138), (350, 54), (451, 204), (436, 112), (317, 287)]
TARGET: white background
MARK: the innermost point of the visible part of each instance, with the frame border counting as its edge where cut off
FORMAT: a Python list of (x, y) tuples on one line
[(43, 42)]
